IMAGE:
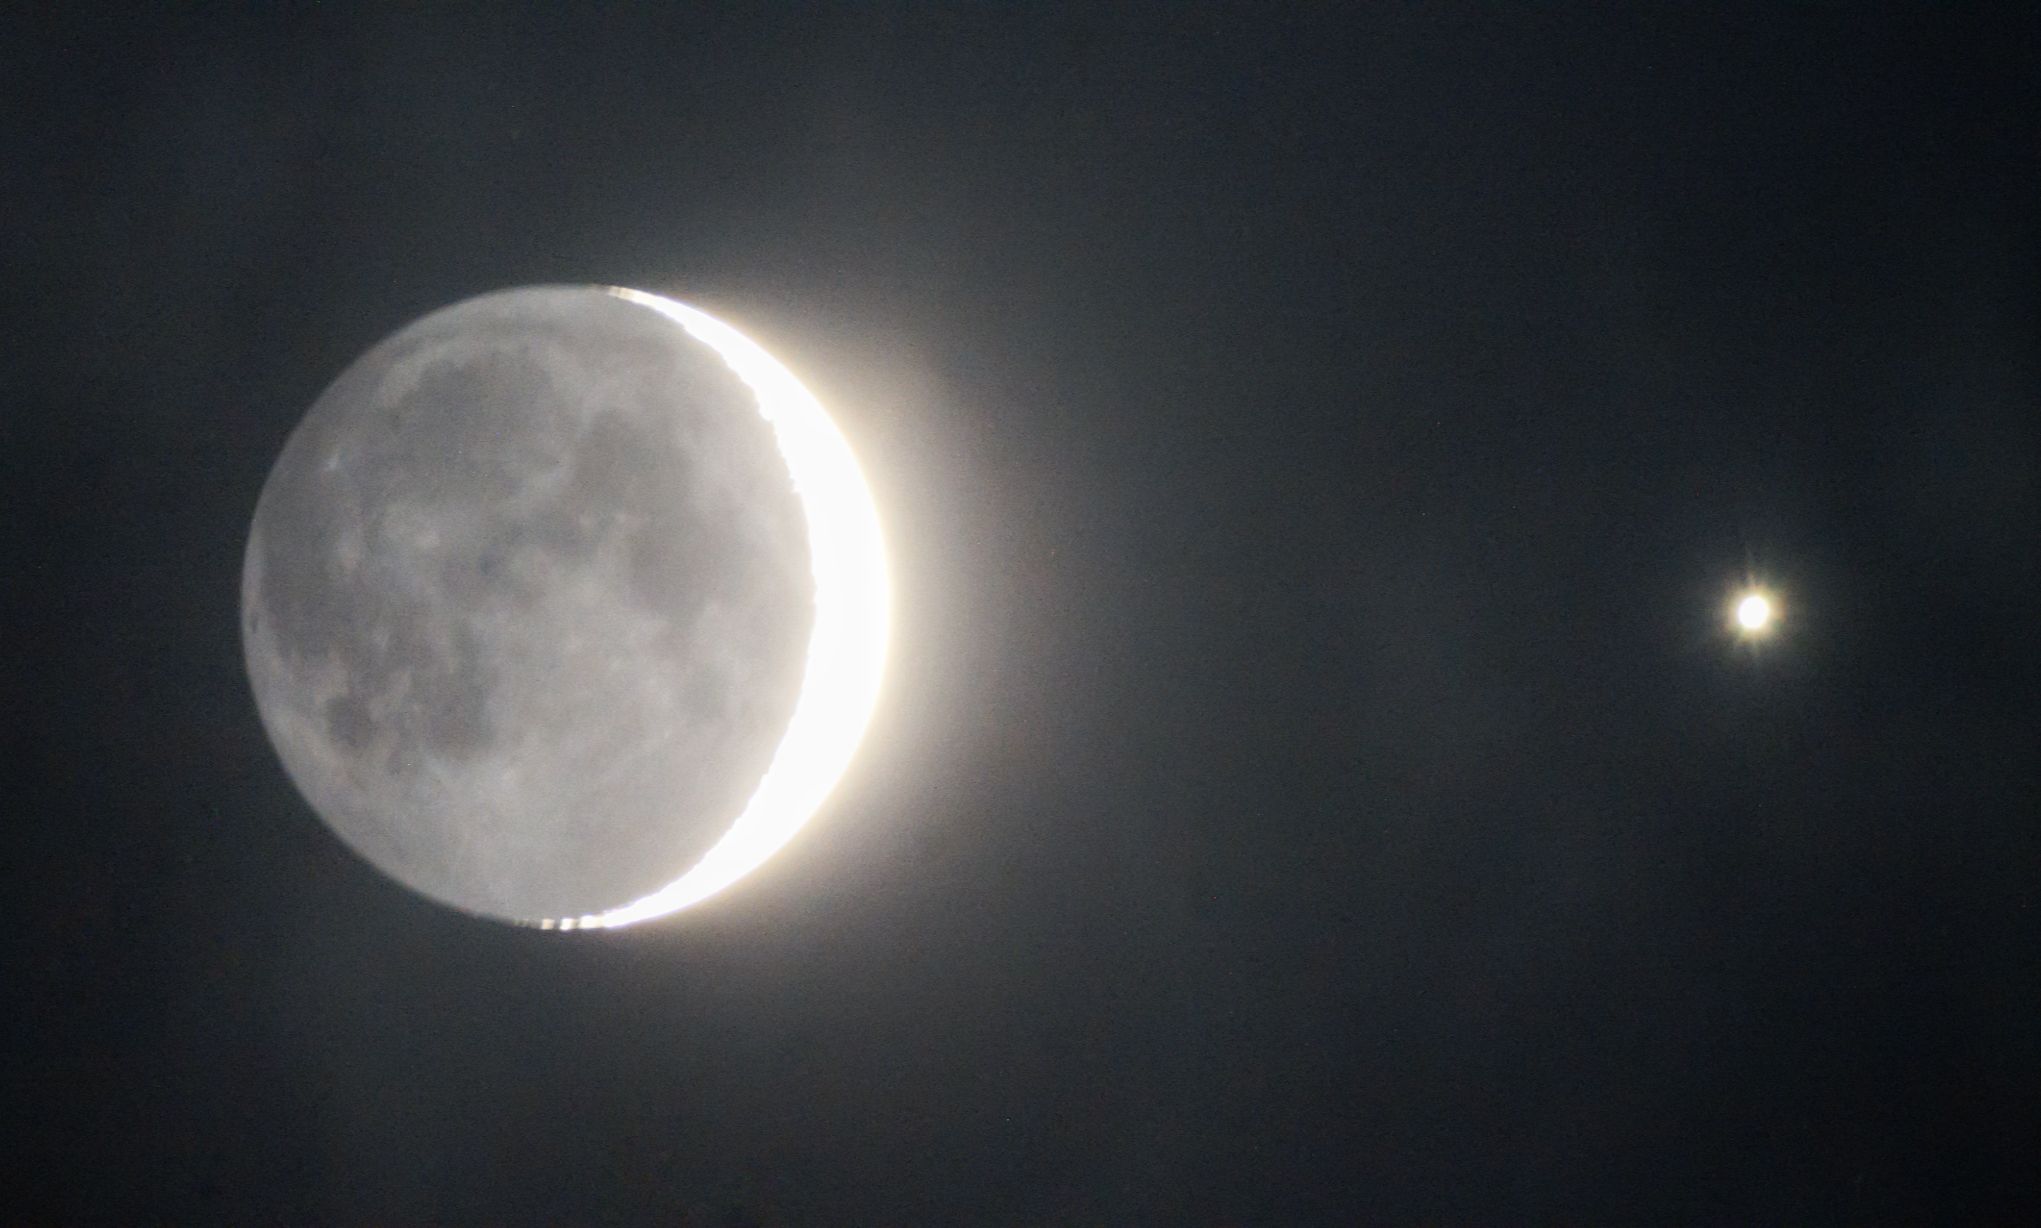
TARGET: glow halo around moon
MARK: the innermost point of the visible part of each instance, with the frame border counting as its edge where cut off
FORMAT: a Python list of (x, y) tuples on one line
[(847, 647)]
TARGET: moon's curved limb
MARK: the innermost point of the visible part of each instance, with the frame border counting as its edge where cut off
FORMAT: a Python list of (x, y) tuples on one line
[(847, 648)]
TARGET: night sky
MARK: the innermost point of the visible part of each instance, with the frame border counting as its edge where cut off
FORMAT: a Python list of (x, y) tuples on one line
[(1315, 782)]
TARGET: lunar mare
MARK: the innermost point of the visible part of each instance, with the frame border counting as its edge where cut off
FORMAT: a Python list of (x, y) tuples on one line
[(565, 606)]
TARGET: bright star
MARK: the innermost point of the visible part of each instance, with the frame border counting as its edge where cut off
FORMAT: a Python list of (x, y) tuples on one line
[(1754, 613)]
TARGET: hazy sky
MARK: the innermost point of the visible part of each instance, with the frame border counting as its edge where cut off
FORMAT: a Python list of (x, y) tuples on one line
[(1316, 782)]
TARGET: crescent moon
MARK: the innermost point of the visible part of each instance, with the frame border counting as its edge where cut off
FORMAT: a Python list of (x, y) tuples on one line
[(565, 606), (846, 649)]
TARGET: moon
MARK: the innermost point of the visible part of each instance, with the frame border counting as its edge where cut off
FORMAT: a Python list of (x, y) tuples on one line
[(566, 606)]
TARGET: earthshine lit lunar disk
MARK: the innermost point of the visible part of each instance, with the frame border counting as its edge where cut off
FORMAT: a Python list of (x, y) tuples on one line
[(565, 606)]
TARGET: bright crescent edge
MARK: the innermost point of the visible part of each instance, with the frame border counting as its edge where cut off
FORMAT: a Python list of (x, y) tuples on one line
[(846, 650)]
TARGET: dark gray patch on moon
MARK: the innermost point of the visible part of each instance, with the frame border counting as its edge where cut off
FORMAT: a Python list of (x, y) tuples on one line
[(527, 602)]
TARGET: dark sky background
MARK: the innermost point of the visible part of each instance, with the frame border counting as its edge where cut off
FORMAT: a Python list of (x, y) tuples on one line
[(1314, 783)]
